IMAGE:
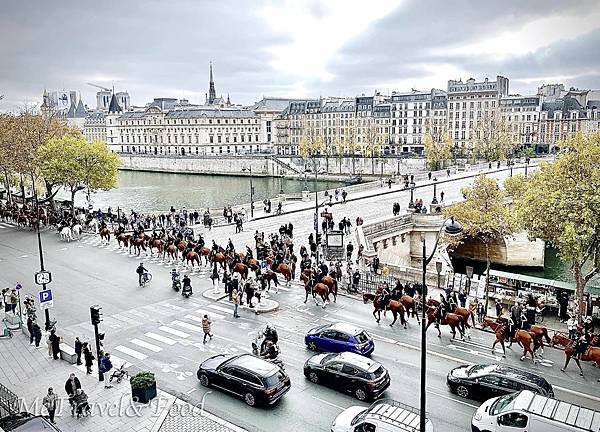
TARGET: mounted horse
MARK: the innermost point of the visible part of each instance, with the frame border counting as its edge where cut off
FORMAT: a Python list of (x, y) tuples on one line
[(306, 277), (538, 333), (462, 312), (522, 337), (592, 354), (105, 234), (450, 319), (138, 244), (396, 307), (322, 291)]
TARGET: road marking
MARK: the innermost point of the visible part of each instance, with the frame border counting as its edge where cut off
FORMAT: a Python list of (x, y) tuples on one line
[(577, 393), (328, 403), (194, 318), (146, 345), (132, 353), (160, 338), (173, 306), (452, 399), (219, 308), (174, 332), (187, 326), (211, 314)]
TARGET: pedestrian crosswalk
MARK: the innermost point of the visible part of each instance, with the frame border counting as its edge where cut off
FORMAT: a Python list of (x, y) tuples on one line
[(4, 225)]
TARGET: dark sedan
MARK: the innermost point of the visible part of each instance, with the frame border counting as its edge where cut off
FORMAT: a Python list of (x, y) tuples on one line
[(255, 380), (485, 381), (348, 372)]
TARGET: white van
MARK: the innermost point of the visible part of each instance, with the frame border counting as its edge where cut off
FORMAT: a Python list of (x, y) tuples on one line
[(526, 411), (385, 415)]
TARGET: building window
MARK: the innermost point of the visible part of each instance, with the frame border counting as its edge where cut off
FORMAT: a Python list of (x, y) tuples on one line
[(211, 139)]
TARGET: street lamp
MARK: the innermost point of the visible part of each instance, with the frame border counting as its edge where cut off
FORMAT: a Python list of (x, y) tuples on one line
[(434, 200), (251, 191), (316, 218), (411, 204), (452, 228), (526, 165)]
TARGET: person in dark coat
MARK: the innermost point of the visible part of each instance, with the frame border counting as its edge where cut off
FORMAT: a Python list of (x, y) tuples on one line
[(71, 386), (88, 357), (78, 350), (37, 333), (55, 343)]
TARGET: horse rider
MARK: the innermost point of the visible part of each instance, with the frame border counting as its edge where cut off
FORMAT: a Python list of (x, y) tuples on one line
[(214, 247), (409, 290), (582, 345), (322, 271), (384, 295), (249, 254), (230, 248), (201, 241), (516, 313), (305, 263), (397, 291), (588, 326), (141, 270), (443, 308)]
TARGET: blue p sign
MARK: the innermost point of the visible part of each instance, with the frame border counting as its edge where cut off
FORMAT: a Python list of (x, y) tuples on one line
[(45, 296)]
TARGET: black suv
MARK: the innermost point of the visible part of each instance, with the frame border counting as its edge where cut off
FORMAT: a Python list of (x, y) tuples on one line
[(255, 380), (349, 372), (485, 381)]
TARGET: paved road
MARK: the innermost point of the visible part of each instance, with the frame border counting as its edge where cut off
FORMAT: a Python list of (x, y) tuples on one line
[(156, 329)]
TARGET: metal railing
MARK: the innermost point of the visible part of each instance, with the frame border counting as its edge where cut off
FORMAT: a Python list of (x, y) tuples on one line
[(9, 402)]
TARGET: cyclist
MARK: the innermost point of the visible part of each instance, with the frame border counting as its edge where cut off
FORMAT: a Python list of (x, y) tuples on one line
[(141, 271)]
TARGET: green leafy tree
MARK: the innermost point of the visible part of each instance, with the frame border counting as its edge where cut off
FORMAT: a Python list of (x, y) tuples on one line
[(484, 216), (72, 162), (561, 205), (438, 145), (515, 186)]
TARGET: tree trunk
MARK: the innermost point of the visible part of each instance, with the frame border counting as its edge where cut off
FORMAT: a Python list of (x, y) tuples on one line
[(487, 277), (579, 290), (22, 189), (327, 163), (73, 192), (372, 164), (7, 184)]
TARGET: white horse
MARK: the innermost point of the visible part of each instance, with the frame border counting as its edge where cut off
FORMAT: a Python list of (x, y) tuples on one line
[(94, 224), (81, 219), (77, 231), (66, 234)]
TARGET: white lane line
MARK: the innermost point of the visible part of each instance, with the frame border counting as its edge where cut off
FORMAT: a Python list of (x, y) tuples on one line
[(146, 345), (220, 308), (173, 331), (132, 353), (160, 338), (452, 399), (187, 326), (576, 393), (194, 318), (328, 403), (210, 314), (173, 306)]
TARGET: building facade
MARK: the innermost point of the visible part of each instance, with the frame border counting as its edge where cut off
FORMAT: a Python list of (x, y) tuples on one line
[(521, 115)]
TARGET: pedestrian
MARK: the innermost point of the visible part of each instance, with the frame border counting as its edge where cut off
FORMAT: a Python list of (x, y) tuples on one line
[(78, 349), (448, 172), (88, 357), (236, 302), (6, 297), (55, 344), (498, 309), (480, 312), (14, 300), (572, 328), (71, 386), (349, 250), (30, 321), (375, 264), (344, 195), (49, 403), (250, 290), (462, 298), (37, 333), (429, 175), (105, 367), (215, 278), (442, 196), (206, 323)]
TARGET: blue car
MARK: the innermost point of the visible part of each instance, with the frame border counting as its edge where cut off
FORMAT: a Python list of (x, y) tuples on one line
[(339, 337)]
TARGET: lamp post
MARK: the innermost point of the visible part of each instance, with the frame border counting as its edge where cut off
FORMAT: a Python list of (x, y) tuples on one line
[(251, 191), (411, 204), (434, 200), (469, 270), (451, 227), (526, 165)]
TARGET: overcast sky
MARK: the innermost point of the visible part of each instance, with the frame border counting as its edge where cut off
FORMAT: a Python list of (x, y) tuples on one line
[(293, 48)]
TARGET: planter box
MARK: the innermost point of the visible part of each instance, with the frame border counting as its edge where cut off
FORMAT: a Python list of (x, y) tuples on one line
[(144, 395)]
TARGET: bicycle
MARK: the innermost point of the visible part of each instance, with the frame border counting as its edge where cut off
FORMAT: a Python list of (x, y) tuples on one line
[(119, 374), (146, 277)]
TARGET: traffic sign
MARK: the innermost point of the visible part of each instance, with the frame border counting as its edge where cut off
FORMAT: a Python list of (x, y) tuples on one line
[(46, 300), (18, 286), (43, 277), (264, 264)]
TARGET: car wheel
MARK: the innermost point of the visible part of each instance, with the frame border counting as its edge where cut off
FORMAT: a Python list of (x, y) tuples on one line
[(312, 346), (360, 394), (313, 377), (462, 391), (204, 380), (249, 399)]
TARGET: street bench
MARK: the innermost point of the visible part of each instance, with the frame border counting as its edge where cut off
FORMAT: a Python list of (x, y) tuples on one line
[(68, 353)]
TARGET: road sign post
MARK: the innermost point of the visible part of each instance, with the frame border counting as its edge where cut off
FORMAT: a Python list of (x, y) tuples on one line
[(46, 299), (18, 287)]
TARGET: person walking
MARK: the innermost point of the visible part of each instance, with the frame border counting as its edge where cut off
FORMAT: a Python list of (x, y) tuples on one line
[(30, 321), (49, 403), (442, 196), (14, 300), (206, 323), (349, 250), (71, 386), (235, 296), (462, 298), (55, 344), (105, 367), (37, 333), (88, 358), (215, 278), (78, 349)]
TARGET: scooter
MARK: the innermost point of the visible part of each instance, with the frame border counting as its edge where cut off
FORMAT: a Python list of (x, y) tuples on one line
[(186, 291), (176, 284)]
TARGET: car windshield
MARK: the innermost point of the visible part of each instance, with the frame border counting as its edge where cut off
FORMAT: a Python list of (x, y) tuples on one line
[(362, 337), (503, 403), (379, 372), (275, 379), (327, 358), (479, 370)]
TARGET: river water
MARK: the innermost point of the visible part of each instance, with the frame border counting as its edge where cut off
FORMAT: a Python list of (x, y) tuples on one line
[(157, 192)]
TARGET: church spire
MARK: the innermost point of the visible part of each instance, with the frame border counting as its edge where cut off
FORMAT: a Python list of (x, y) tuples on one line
[(212, 94)]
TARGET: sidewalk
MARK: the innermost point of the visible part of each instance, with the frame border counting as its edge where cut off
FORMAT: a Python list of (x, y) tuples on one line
[(28, 372)]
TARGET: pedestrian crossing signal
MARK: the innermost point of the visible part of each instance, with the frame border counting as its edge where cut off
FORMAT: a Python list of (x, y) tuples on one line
[(96, 314)]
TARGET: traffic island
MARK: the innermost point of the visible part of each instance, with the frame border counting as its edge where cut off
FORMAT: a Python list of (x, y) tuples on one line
[(210, 294)]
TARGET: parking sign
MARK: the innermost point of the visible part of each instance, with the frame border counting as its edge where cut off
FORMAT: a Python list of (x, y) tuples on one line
[(46, 300)]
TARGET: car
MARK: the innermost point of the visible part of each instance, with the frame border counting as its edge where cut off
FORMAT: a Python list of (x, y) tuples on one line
[(349, 372), (339, 337), (484, 381), (384, 415), (251, 378), (26, 422)]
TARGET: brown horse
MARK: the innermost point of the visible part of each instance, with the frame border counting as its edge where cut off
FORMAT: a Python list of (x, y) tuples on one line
[(323, 291), (592, 354), (220, 258), (410, 304), (522, 337), (192, 257), (204, 253), (138, 244), (252, 263), (105, 234), (451, 319), (396, 307), (123, 239), (242, 269), (330, 281), (159, 245), (462, 312), (172, 251), (271, 276), (537, 332)]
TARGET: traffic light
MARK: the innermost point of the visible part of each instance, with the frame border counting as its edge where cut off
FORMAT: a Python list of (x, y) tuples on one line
[(318, 238), (96, 314)]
